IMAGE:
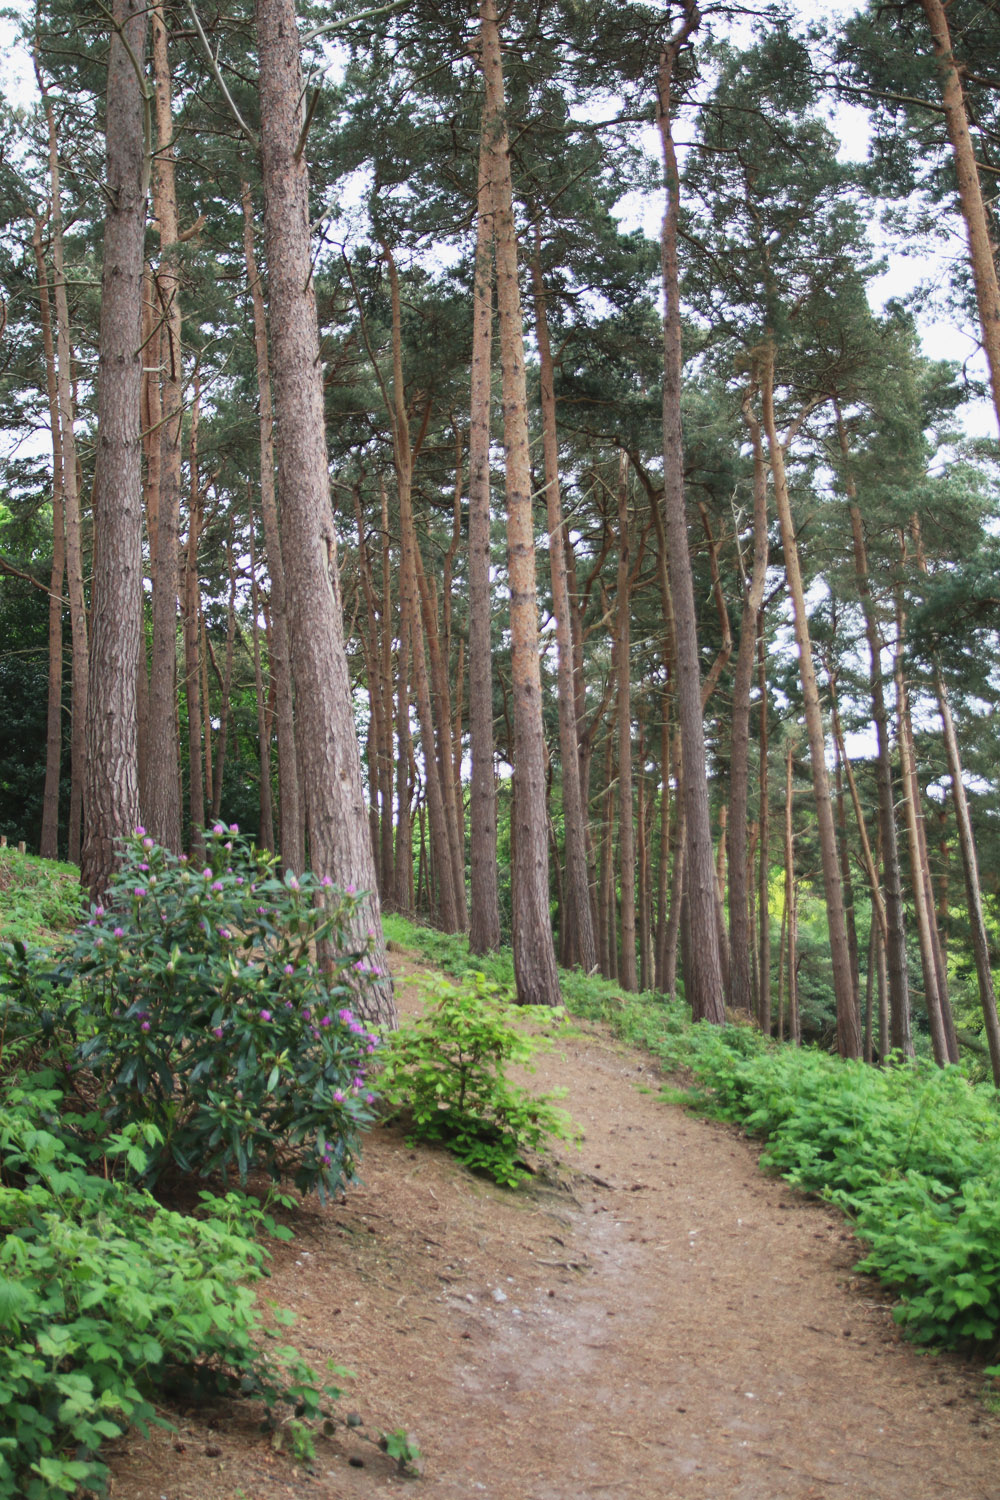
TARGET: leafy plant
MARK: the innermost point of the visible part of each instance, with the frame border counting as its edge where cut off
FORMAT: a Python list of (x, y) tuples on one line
[(203, 1010), (446, 1071), (39, 896), (107, 1300)]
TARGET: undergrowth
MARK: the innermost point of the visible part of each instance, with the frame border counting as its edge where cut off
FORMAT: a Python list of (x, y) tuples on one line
[(911, 1152), (446, 1074), (182, 1029), (38, 896)]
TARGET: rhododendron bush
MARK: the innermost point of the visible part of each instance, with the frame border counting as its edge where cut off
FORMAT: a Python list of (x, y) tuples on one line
[(201, 1008)]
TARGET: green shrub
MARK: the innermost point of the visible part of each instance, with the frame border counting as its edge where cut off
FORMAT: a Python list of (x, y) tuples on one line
[(446, 1071), (107, 1300), (39, 896), (199, 1008)]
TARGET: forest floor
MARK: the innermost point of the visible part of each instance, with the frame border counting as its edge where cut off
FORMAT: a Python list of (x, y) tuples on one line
[(655, 1319)]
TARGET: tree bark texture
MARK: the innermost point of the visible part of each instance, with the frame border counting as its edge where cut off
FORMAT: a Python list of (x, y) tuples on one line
[(330, 762), (192, 648), (848, 1019), (534, 953), (703, 979), (740, 940), (49, 841), (628, 977), (111, 786), (580, 947), (970, 193), (895, 929), (291, 830), (72, 515), (934, 999), (442, 851), (484, 914), (162, 810)]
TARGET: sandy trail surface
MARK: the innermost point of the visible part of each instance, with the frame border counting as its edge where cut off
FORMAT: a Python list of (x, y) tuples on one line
[(658, 1320)]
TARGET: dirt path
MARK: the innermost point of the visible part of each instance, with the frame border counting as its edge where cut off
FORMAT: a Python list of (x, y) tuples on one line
[(670, 1323)]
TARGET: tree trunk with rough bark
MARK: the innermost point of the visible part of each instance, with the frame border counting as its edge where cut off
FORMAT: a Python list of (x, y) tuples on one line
[(703, 979), (111, 786), (764, 862), (934, 1000), (291, 829), (628, 977), (970, 192), (162, 808), (580, 946), (72, 508), (330, 763), (442, 851), (192, 646), (49, 841), (263, 726), (484, 916), (740, 939), (848, 1019), (534, 952), (895, 928)]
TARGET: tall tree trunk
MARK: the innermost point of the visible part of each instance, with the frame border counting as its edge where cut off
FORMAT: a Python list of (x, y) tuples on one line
[(263, 727), (330, 763), (72, 506), (642, 860), (376, 701), (703, 982), (291, 830), (848, 1020), (867, 856), (846, 882), (49, 841), (441, 840), (192, 643), (405, 780), (895, 933), (740, 941), (111, 786), (484, 920), (150, 420), (225, 682), (606, 925), (534, 952), (626, 817), (970, 193), (970, 867), (581, 948), (764, 864), (721, 861), (443, 738), (934, 1000), (385, 776), (162, 810), (677, 890), (663, 854)]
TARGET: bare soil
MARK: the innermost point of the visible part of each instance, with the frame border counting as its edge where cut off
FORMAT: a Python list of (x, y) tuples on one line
[(656, 1319)]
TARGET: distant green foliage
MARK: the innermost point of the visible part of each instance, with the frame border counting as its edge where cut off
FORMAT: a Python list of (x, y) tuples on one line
[(450, 951), (107, 1300), (194, 1003), (447, 1073), (38, 896)]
